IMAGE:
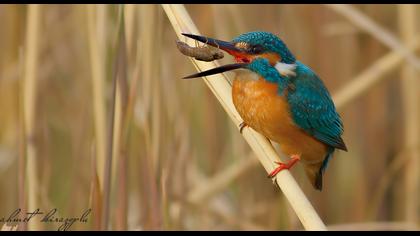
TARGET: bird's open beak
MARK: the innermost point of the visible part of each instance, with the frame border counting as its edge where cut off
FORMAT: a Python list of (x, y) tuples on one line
[(225, 46)]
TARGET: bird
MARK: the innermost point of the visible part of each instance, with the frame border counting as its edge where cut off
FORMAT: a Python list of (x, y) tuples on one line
[(283, 99)]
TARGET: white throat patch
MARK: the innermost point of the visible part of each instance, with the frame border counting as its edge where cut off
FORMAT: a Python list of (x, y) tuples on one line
[(286, 70)]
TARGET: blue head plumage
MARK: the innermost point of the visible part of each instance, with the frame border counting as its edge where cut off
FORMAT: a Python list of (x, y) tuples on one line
[(268, 43)]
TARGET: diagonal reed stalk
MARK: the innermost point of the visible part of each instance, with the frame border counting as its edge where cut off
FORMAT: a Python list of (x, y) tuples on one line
[(365, 23), (266, 154), (220, 181), (371, 76), (29, 103)]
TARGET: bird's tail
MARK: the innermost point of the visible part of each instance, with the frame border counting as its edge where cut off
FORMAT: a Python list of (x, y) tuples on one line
[(315, 171)]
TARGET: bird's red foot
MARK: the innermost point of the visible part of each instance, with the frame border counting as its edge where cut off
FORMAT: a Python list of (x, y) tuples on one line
[(282, 166), (242, 126)]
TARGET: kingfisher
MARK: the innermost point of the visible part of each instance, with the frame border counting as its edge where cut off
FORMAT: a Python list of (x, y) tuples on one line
[(282, 99)]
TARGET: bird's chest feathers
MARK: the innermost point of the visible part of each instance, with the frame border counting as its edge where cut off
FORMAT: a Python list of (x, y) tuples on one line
[(261, 105)]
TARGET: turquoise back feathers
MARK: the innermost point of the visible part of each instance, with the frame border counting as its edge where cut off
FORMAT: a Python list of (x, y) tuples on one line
[(311, 106), (313, 109)]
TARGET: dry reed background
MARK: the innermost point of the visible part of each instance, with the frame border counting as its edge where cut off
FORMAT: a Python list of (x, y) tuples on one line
[(177, 161)]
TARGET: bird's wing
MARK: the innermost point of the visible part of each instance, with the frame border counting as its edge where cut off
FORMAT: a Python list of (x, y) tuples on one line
[(313, 110)]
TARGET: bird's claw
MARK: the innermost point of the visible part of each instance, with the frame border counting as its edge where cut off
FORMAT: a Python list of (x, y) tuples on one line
[(281, 166), (242, 126)]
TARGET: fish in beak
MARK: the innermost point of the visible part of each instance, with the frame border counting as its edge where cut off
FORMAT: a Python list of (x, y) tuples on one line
[(229, 47)]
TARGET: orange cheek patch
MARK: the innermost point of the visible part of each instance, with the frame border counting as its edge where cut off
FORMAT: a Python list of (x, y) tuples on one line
[(273, 58)]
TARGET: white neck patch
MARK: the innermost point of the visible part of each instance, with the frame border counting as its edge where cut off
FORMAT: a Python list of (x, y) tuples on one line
[(286, 70)]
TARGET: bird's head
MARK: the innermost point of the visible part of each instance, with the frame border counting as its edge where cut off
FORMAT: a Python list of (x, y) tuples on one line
[(246, 48)]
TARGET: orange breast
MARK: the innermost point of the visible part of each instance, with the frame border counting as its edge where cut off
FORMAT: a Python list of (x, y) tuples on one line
[(268, 113)]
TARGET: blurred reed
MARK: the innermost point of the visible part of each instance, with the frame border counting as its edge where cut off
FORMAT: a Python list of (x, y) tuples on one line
[(22, 144), (118, 66), (178, 161), (408, 24), (147, 105), (121, 122), (217, 183), (365, 23), (30, 72), (96, 30), (371, 76)]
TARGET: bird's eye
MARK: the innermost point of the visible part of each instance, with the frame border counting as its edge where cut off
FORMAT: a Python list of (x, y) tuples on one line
[(256, 49)]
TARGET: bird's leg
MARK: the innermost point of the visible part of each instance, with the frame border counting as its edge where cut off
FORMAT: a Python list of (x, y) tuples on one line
[(242, 126), (282, 166)]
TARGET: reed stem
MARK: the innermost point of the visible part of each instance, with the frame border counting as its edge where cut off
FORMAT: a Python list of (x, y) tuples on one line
[(29, 107), (96, 53), (411, 102)]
